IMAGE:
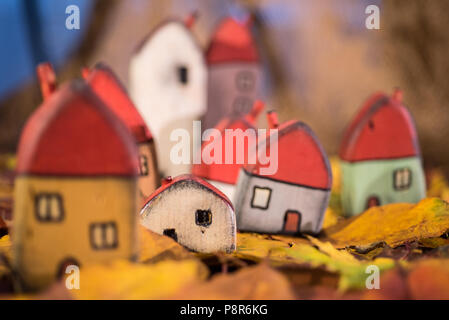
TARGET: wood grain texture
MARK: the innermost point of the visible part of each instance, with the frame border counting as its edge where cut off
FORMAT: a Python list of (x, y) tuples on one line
[(194, 213)]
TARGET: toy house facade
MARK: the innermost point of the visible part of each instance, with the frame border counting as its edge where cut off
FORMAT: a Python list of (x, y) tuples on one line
[(109, 88), (168, 80), (380, 156), (234, 77), (75, 193), (192, 212), (222, 175), (292, 200)]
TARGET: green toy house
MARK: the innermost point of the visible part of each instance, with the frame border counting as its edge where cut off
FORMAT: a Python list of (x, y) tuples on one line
[(380, 156)]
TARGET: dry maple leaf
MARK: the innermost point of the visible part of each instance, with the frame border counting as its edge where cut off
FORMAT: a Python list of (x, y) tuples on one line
[(395, 224)]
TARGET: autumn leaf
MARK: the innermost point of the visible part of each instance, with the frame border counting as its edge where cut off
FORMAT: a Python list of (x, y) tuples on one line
[(395, 224), (126, 280), (251, 283), (154, 247), (315, 254)]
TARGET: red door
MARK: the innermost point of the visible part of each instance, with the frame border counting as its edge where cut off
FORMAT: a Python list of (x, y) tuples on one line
[(292, 222)]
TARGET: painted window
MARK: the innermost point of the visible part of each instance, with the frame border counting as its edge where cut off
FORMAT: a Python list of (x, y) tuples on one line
[(261, 197), (183, 74), (203, 218), (49, 207), (143, 165), (245, 81), (402, 179), (242, 105), (103, 235)]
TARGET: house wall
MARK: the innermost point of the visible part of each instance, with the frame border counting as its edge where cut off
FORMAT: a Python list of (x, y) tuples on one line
[(147, 183), (223, 92), (40, 247), (311, 203), (164, 103), (175, 209), (360, 180)]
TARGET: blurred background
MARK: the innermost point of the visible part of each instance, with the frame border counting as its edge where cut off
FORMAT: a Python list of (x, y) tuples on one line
[(320, 61)]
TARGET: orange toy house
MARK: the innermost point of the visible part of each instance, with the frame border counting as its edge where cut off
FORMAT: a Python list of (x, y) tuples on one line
[(75, 194), (109, 88)]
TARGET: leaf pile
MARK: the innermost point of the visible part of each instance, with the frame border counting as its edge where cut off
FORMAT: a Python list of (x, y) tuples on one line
[(408, 243)]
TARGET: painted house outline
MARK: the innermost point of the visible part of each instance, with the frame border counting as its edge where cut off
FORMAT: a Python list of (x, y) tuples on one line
[(168, 78), (294, 199), (234, 71), (109, 88), (76, 173), (193, 212), (380, 156)]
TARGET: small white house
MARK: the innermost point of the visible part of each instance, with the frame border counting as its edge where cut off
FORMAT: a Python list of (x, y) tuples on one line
[(168, 83), (192, 212)]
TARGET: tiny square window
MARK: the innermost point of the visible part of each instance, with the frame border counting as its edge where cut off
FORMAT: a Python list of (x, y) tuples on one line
[(245, 81), (183, 74), (261, 197), (203, 218), (103, 235), (402, 179), (48, 207)]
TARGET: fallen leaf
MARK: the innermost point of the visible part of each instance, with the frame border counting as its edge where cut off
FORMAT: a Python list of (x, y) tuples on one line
[(126, 280), (154, 247), (395, 224), (251, 283), (429, 279), (393, 286)]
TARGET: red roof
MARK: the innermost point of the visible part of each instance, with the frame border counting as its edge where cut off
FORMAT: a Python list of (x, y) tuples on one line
[(301, 158), (232, 42), (169, 182), (109, 88), (223, 172), (74, 134), (383, 129)]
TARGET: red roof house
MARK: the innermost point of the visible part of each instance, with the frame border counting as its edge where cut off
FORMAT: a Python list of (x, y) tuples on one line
[(234, 78), (109, 88), (192, 212), (74, 134), (383, 129), (224, 175), (294, 197), (232, 42)]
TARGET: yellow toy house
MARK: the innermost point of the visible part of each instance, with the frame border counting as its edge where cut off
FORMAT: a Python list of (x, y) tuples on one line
[(75, 198)]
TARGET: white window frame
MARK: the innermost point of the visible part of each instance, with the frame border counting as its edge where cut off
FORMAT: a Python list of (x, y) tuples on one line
[(48, 207), (259, 200), (99, 237), (402, 179)]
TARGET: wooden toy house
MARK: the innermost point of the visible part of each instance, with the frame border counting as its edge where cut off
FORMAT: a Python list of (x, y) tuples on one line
[(75, 198), (380, 156), (224, 175), (192, 212), (295, 197), (168, 82), (234, 77), (109, 88)]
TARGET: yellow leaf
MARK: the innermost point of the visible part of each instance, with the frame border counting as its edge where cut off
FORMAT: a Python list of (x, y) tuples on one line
[(154, 247), (281, 250), (125, 280), (395, 224)]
